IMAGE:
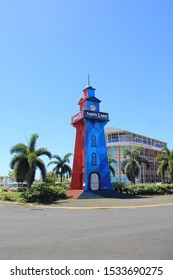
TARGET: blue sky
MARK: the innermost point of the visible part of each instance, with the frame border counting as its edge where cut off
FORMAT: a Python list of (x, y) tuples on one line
[(47, 49)]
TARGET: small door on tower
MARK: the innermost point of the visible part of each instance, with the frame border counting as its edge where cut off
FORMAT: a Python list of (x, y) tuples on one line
[(94, 181)]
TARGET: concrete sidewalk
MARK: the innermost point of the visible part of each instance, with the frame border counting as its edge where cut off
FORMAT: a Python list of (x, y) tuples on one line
[(137, 201), (104, 203)]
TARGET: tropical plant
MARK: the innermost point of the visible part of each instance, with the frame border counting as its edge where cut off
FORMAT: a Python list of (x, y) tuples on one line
[(11, 196), (151, 189), (26, 160), (44, 194), (131, 165), (120, 187), (111, 168), (50, 178), (11, 175), (1, 179), (62, 168), (166, 163)]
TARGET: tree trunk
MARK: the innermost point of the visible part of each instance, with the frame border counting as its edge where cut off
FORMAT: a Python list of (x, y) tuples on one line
[(171, 177), (29, 179), (54, 176), (61, 177)]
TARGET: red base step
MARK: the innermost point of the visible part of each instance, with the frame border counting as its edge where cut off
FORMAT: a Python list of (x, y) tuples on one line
[(74, 193)]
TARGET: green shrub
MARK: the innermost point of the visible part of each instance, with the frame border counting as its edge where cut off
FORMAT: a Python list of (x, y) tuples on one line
[(65, 185), (120, 187), (11, 196), (151, 189), (3, 189), (44, 194)]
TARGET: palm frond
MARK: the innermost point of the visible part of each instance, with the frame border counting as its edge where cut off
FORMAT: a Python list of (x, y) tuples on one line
[(43, 151), (123, 165), (16, 159), (32, 143), (21, 169), (111, 160), (40, 164), (67, 157), (53, 162), (19, 149), (171, 154), (165, 148), (160, 157), (57, 157), (170, 163), (112, 170)]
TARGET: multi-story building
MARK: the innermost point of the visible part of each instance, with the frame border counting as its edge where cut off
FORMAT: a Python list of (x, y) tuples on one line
[(117, 140)]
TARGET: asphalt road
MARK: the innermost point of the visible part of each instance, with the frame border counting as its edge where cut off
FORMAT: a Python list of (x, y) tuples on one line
[(38, 233)]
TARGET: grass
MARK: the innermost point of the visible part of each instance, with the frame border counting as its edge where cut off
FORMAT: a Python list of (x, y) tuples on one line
[(11, 196)]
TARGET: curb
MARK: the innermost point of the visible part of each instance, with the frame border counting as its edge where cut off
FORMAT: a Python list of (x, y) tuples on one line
[(85, 207)]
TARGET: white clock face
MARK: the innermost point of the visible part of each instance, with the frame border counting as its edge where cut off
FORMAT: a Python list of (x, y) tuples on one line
[(92, 107)]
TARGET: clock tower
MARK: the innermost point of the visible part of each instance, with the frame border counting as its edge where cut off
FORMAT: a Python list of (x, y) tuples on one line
[(90, 166)]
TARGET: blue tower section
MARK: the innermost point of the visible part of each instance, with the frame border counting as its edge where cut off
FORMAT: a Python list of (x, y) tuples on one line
[(96, 167)]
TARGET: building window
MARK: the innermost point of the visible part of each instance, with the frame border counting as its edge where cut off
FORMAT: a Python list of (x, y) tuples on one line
[(114, 137), (153, 143), (109, 138), (93, 141), (122, 137), (94, 159), (129, 137), (158, 145), (139, 139)]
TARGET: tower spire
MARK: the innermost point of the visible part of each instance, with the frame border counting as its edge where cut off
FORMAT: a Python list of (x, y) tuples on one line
[(88, 79)]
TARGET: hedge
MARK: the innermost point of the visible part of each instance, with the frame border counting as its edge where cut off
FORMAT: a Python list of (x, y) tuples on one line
[(150, 189), (44, 194), (38, 194)]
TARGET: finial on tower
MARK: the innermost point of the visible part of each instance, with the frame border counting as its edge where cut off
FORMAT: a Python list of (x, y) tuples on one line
[(88, 79), (89, 85)]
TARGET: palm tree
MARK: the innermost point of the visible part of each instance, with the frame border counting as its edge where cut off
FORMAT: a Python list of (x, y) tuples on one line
[(131, 166), (26, 160), (61, 167), (110, 161), (166, 163)]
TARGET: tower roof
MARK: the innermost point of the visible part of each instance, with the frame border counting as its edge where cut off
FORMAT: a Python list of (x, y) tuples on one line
[(94, 99), (89, 87)]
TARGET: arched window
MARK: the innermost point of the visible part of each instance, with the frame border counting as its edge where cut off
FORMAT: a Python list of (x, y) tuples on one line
[(93, 141), (94, 159)]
